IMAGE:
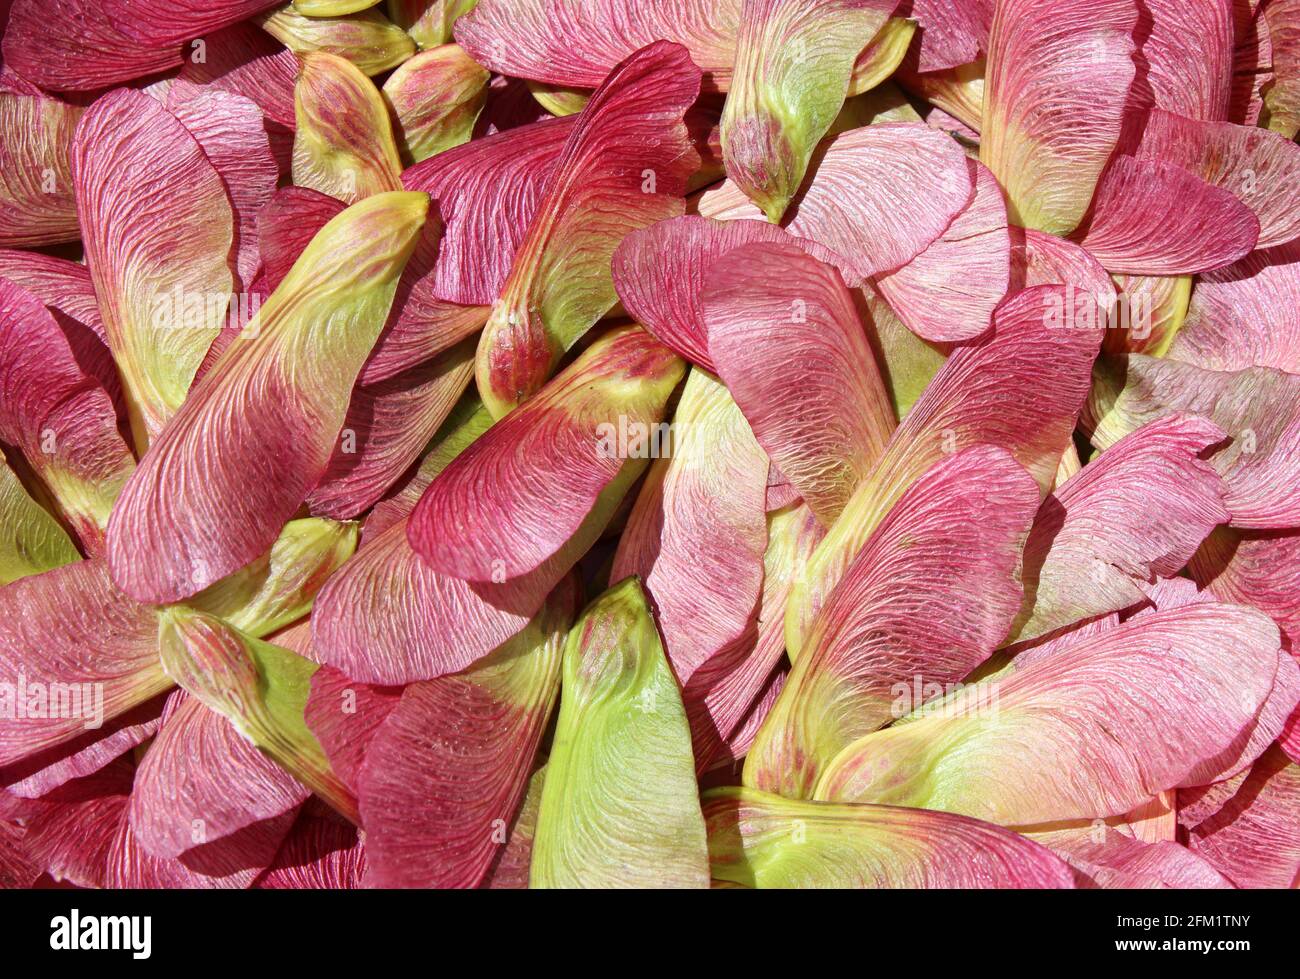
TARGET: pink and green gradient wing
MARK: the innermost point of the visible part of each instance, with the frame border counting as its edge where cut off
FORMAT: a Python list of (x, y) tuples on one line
[(757, 839), (31, 540), (620, 805), (624, 166), (260, 688), (1058, 76), (436, 98), (278, 588), (927, 600), (1093, 730), (292, 370), (1136, 513), (767, 307), (448, 768), (37, 203), (59, 417), (794, 61), (578, 44), (201, 781), (71, 626), (881, 195), (948, 293), (1261, 169), (1155, 218), (390, 618), (159, 232), (697, 532), (509, 502), (1245, 315), (344, 144), (94, 627), (1258, 408), (1026, 361)]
